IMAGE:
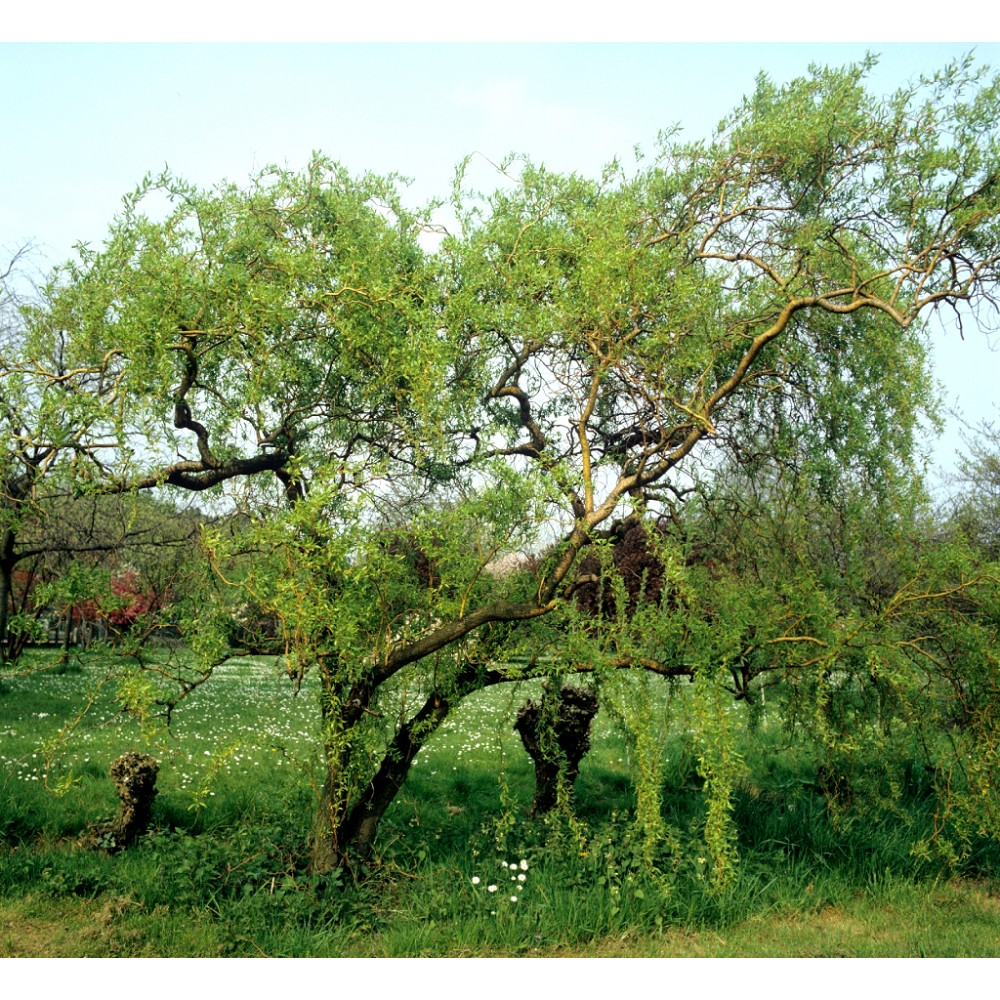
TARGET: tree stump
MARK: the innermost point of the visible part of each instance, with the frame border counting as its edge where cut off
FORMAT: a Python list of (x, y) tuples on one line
[(134, 775), (556, 734)]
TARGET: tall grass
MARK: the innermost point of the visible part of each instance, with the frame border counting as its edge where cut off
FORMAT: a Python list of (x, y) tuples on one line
[(224, 870)]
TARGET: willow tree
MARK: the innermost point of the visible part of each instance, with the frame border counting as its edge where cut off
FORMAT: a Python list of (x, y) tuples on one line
[(399, 419)]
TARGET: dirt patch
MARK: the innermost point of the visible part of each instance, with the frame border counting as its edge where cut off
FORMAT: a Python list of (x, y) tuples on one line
[(53, 929), (982, 893)]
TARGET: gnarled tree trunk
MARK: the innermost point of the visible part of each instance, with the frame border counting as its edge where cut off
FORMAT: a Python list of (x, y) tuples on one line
[(347, 821), (134, 775), (556, 734)]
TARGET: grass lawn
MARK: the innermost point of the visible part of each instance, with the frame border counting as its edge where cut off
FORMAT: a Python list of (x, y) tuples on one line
[(223, 872)]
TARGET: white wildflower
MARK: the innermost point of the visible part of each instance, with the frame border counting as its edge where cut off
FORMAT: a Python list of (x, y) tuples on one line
[(524, 865), (491, 888), (513, 899), (475, 880), (521, 877)]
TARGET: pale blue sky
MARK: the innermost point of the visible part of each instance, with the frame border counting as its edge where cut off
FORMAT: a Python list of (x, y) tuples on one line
[(82, 123)]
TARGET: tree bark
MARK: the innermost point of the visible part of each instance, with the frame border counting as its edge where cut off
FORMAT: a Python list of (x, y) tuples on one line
[(344, 831), (6, 591), (556, 735), (67, 638), (134, 775), (327, 850), (362, 826)]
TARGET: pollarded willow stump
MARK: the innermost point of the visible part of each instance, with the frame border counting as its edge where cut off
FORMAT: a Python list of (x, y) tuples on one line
[(556, 734), (134, 775)]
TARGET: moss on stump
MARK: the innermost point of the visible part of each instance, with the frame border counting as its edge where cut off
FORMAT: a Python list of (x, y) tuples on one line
[(134, 775)]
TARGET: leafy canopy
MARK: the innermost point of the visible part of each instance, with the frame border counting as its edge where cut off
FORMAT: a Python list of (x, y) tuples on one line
[(577, 358)]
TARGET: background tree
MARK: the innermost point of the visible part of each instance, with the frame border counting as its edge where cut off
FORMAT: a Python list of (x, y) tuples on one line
[(554, 369), (20, 462), (976, 501), (140, 548), (52, 432)]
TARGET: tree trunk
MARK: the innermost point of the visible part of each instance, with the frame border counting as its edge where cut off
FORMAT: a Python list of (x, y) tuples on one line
[(328, 851), (344, 832), (67, 638), (347, 823), (6, 592), (134, 775), (367, 813), (5, 588), (556, 735)]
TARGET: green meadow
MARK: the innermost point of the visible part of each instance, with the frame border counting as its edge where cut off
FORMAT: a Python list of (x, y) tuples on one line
[(461, 868)]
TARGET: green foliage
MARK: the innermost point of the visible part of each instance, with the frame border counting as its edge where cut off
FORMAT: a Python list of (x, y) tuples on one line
[(976, 503), (425, 459), (302, 281), (237, 869)]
